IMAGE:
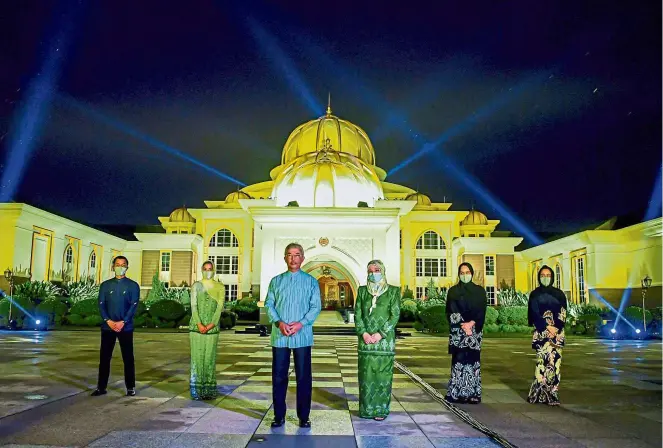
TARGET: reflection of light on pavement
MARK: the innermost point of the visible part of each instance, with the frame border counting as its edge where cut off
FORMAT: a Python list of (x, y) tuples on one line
[(36, 397)]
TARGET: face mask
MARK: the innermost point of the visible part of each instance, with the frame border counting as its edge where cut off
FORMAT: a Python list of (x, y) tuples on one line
[(207, 275), (120, 270), (545, 281), (466, 278), (375, 277)]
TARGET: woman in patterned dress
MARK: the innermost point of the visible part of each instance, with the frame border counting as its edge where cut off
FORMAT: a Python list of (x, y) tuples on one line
[(547, 313), (377, 310), (207, 298), (466, 313)]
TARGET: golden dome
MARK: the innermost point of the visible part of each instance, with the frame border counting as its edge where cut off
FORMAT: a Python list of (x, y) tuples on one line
[(329, 132), (421, 199), (235, 196), (327, 179), (474, 218), (181, 215)]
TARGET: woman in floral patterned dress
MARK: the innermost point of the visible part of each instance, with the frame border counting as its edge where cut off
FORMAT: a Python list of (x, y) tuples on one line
[(377, 310), (547, 313), (466, 312)]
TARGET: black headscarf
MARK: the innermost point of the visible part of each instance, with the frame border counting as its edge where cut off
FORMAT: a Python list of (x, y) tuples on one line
[(545, 298), (468, 299)]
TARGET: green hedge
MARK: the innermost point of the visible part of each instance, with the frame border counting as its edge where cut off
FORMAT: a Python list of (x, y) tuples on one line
[(86, 308), (228, 320), (167, 310), (53, 309), (587, 324), (491, 315), (408, 311), (434, 319), (634, 315), (512, 315)]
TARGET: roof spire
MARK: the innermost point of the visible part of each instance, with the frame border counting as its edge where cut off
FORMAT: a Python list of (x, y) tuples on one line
[(329, 111)]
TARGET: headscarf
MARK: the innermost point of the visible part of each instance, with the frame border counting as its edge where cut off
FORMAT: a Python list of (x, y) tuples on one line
[(468, 296), (376, 289), (544, 294)]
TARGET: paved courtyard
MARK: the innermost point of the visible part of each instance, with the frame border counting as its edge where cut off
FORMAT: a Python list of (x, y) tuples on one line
[(611, 394)]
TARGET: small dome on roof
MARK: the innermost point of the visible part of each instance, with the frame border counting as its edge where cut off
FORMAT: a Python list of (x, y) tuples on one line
[(235, 196), (421, 199), (474, 218), (181, 215)]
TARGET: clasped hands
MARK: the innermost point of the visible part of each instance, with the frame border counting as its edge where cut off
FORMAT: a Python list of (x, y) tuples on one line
[(204, 328), (116, 326), (552, 330), (289, 329), (372, 338), (467, 327)]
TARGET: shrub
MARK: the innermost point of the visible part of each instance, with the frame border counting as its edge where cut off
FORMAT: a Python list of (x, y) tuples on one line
[(85, 289), (587, 324), (36, 291), (407, 294), (141, 309), (75, 319), (434, 319), (248, 301), (634, 315), (52, 309), (157, 291), (246, 309), (656, 313), (180, 295), (92, 321), (424, 304), (508, 328), (510, 297), (228, 320), (87, 307), (184, 322), (139, 321), (419, 326), (491, 315), (19, 306), (491, 328), (408, 311), (523, 329), (512, 315), (167, 310)]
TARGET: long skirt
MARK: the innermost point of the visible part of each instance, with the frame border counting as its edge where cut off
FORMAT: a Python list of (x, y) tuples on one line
[(545, 388), (465, 382), (203, 365), (376, 374)]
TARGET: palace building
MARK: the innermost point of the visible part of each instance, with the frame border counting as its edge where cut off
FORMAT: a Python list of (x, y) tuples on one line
[(329, 195)]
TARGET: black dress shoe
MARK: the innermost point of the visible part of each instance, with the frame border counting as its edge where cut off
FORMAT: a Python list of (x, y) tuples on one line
[(305, 423), (278, 422), (131, 392), (97, 393)]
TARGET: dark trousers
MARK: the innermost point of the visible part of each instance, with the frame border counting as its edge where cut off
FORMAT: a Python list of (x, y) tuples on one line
[(126, 339), (280, 367)]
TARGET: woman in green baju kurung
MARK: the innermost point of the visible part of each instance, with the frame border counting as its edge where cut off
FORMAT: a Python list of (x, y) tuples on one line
[(207, 298), (377, 310)]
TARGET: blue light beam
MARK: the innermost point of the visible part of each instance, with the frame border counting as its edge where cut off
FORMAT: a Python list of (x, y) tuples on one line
[(273, 51), (122, 127), (654, 207), (25, 130)]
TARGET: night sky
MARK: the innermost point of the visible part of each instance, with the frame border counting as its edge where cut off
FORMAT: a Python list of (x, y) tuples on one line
[(553, 107)]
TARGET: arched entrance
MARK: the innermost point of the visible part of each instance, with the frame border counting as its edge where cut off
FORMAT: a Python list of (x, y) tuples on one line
[(338, 288)]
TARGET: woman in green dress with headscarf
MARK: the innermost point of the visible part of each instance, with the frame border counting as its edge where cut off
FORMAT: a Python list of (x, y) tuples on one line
[(207, 298), (377, 310)]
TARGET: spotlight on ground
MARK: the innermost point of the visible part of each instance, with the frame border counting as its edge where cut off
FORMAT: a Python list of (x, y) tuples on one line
[(637, 330), (613, 331)]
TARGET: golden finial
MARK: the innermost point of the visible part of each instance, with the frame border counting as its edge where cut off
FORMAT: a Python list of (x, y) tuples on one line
[(329, 111)]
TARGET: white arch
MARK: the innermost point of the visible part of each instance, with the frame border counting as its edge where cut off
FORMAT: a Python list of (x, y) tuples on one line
[(325, 253)]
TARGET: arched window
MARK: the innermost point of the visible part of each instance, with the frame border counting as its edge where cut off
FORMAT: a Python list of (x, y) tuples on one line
[(223, 238), (68, 263), (93, 263), (430, 240), (558, 276)]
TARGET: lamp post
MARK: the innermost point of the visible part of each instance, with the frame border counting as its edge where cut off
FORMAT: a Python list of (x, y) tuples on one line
[(646, 283), (9, 275)]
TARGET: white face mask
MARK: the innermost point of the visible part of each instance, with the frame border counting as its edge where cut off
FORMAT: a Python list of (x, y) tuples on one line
[(207, 275), (465, 278), (545, 281), (120, 270)]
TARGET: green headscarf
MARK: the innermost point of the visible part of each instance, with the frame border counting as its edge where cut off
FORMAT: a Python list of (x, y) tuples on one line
[(376, 289)]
